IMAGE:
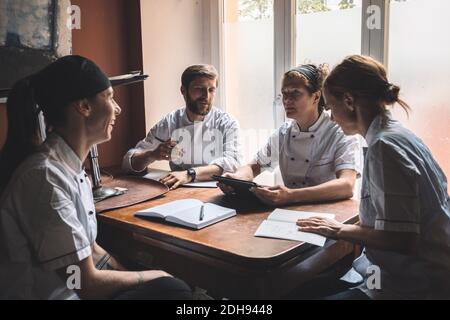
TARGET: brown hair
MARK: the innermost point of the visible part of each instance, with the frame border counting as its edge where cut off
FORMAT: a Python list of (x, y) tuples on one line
[(365, 78), (195, 71), (312, 77)]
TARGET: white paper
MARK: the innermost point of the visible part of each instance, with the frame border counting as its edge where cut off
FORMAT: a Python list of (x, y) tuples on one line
[(288, 231), (293, 216), (174, 207), (282, 224), (156, 174), (187, 212), (205, 184)]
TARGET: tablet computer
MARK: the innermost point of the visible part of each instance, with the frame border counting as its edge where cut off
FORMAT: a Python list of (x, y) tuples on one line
[(241, 187)]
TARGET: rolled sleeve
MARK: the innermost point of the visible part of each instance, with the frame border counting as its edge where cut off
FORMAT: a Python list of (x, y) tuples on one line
[(348, 155), (395, 189), (231, 158)]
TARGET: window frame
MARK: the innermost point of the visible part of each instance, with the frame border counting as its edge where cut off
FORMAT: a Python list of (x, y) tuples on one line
[(374, 43)]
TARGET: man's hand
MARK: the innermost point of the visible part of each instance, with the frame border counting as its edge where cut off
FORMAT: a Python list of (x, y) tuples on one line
[(176, 179), (326, 227), (164, 150), (273, 196)]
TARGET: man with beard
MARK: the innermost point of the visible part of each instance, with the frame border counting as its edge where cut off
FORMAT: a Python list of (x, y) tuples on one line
[(198, 140)]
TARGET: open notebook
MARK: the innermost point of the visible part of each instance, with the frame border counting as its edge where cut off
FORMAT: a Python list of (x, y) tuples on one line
[(188, 213), (281, 224)]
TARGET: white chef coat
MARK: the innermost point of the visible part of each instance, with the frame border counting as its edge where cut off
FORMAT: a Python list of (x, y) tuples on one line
[(310, 158), (47, 223), (214, 141)]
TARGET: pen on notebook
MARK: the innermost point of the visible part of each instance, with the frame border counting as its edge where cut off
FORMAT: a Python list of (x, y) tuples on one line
[(202, 213)]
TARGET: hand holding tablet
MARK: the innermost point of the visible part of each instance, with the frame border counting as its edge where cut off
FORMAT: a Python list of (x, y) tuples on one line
[(239, 187)]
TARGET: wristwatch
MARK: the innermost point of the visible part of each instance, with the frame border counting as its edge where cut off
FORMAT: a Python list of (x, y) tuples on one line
[(191, 173)]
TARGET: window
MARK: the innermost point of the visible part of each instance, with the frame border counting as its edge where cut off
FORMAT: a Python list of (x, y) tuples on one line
[(249, 69), (264, 38), (419, 52), (327, 31)]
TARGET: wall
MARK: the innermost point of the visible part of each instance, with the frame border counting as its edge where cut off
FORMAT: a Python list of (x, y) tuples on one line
[(110, 36), (172, 40), (26, 24), (172, 37), (31, 36)]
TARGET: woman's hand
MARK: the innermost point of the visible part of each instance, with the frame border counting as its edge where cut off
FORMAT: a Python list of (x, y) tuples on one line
[(273, 196), (227, 189), (326, 227)]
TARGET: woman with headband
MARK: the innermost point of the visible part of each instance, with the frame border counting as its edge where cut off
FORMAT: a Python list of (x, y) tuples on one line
[(48, 226), (317, 161)]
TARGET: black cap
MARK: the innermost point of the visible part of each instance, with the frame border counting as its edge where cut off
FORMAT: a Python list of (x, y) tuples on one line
[(66, 80)]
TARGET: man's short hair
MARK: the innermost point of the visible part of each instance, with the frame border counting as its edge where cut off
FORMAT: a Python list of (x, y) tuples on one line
[(195, 71)]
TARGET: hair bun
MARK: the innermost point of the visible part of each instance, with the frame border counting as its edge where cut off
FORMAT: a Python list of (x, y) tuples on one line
[(392, 93)]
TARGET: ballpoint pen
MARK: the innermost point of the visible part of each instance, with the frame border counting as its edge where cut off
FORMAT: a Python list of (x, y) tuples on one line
[(202, 214)]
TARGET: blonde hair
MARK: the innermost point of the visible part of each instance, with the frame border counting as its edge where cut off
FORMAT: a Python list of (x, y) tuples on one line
[(365, 78)]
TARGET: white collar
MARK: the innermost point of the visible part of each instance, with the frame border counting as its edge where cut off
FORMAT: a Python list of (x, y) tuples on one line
[(314, 128), (64, 152)]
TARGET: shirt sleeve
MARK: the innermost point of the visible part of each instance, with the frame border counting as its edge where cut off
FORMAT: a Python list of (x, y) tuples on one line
[(231, 158), (348, 154), (394, 185), (268, 156), (56, 234), (150, 143)]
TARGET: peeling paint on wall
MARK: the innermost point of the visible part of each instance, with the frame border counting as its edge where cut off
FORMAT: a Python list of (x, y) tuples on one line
[(33, 33), (27, 24)]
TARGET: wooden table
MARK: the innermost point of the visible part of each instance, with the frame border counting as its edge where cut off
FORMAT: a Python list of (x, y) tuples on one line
[(225, 259)]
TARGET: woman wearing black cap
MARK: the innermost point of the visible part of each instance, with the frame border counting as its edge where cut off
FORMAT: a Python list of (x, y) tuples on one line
[(317, 161), (48, 226)]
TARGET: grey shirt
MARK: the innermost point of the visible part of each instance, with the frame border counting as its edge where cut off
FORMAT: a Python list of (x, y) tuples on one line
[(405, 190)]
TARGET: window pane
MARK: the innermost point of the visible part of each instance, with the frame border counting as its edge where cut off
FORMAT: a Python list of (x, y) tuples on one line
[(419, 60), (328, 30), (249, 64)]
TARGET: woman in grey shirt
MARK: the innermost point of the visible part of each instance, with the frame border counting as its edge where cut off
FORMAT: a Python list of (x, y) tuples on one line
[(405, 206)]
